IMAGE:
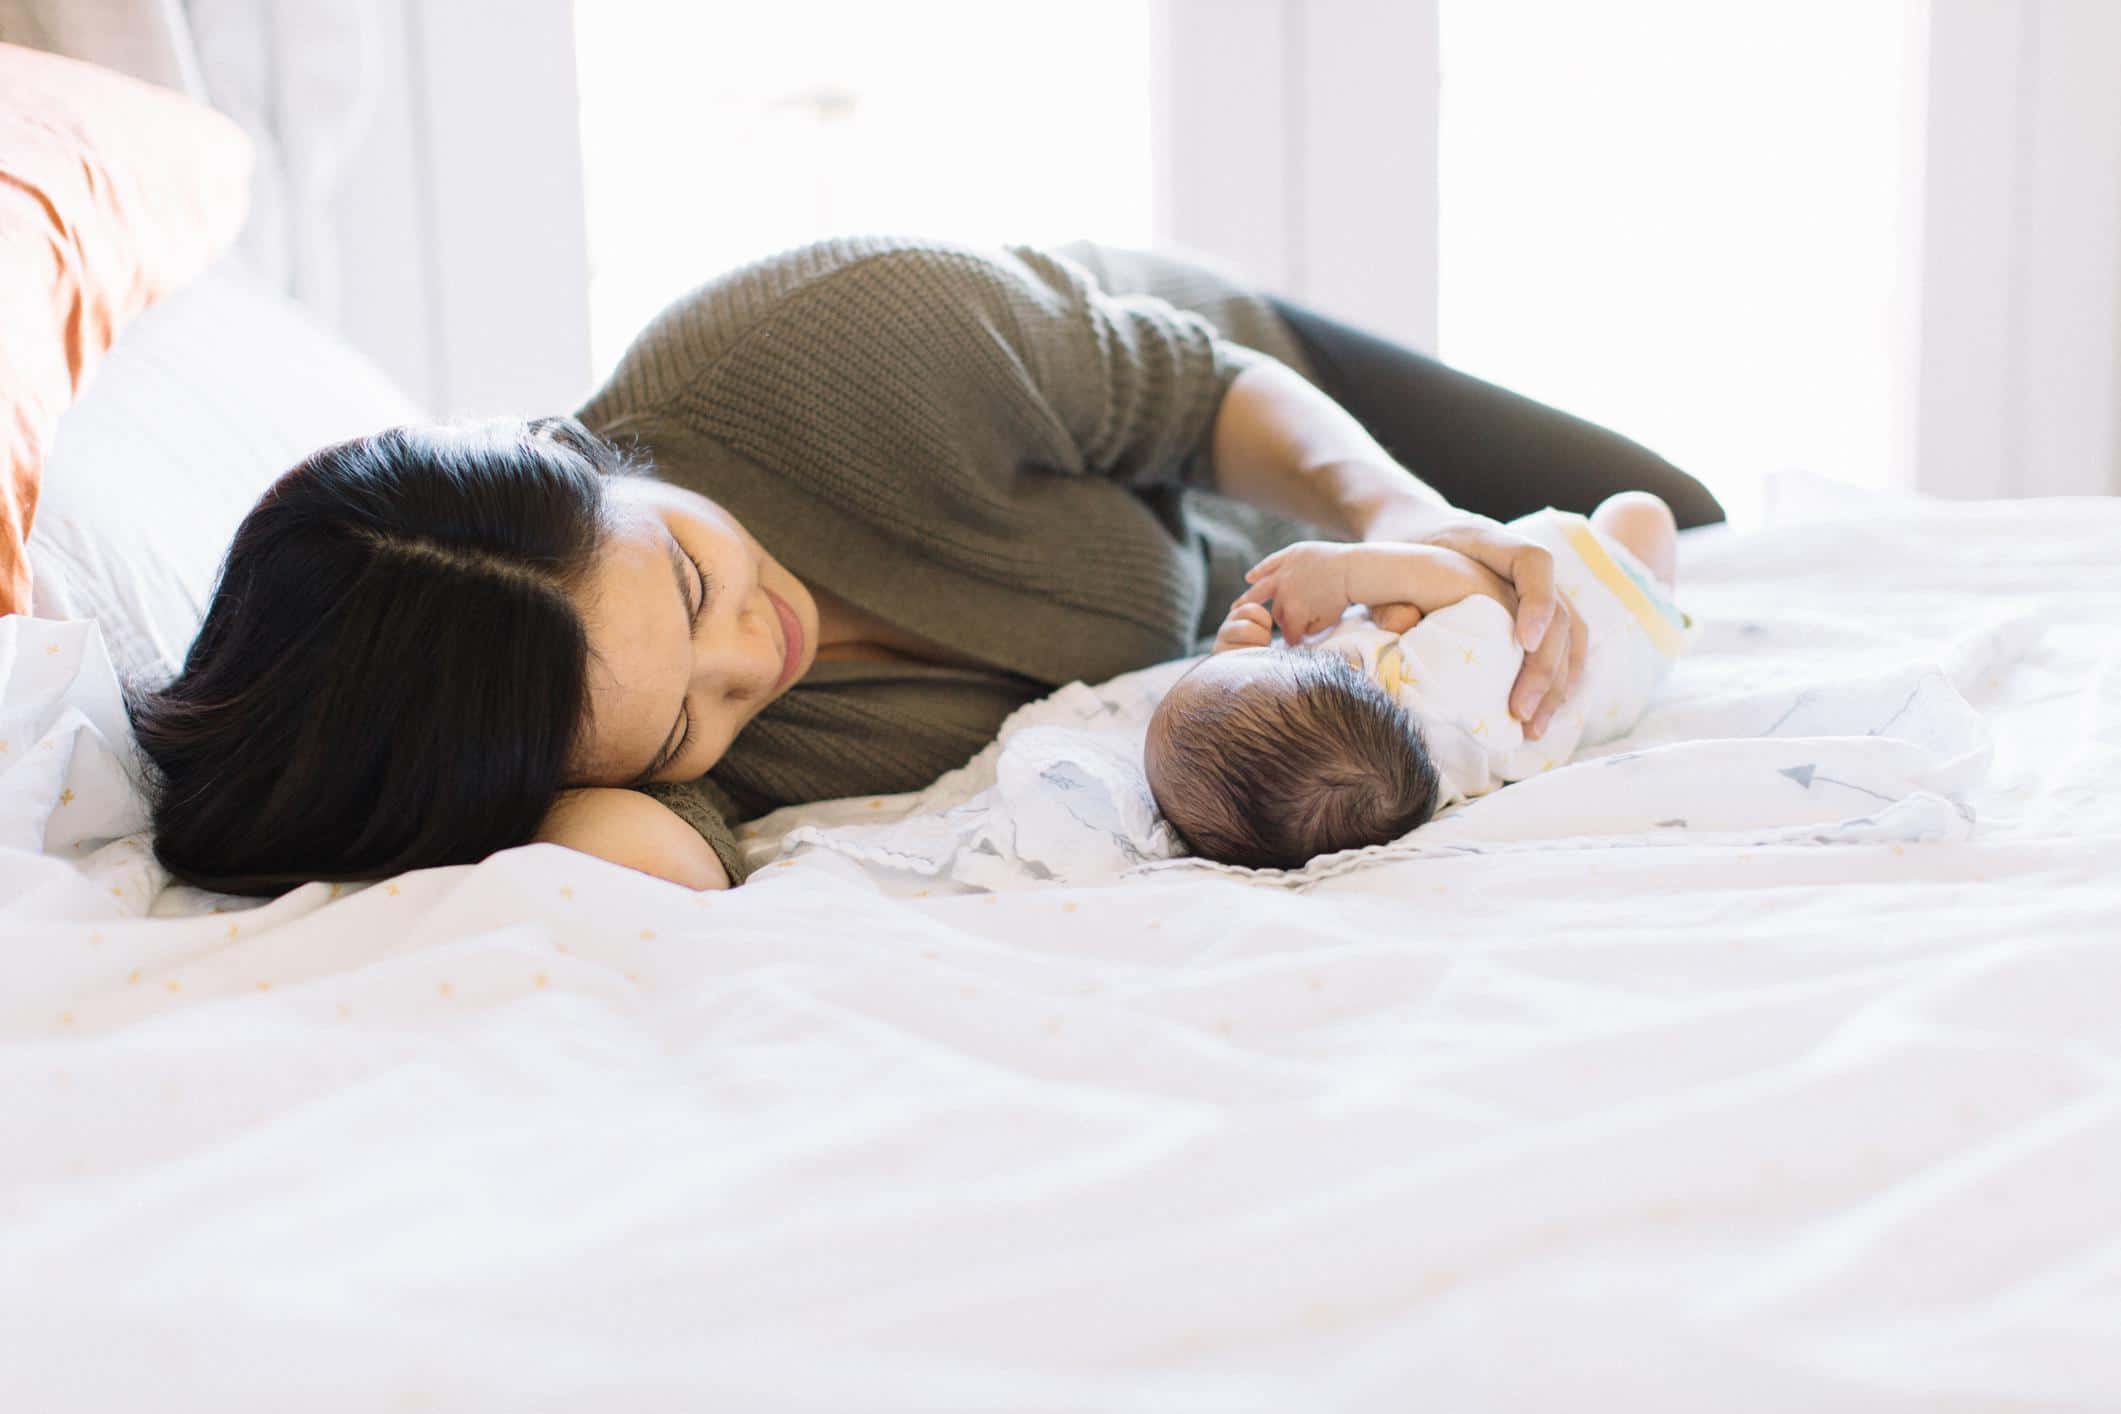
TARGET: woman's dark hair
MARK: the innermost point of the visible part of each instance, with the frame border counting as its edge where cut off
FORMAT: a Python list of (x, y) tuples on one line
[(392, 673)]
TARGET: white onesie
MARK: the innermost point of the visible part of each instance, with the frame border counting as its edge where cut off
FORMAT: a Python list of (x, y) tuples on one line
[(1455, 668)]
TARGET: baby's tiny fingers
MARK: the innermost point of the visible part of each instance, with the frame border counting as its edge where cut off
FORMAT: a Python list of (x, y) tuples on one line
[(1266, 566), (1241, 633)]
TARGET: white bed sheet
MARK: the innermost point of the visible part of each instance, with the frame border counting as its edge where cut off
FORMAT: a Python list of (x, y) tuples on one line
[(1616, 1123)]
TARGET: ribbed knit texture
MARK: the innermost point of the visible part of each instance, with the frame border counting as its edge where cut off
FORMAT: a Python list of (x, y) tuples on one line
[(1006, 451)]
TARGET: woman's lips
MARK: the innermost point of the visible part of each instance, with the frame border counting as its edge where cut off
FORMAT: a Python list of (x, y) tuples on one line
[(791, 640)]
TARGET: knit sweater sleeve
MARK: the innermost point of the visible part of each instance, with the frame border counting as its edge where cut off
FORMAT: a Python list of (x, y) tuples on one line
[(1135, 380), (972, 365)]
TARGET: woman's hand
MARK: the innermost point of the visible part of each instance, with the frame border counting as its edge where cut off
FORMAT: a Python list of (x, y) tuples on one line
[(636, 830), (1552, 636)]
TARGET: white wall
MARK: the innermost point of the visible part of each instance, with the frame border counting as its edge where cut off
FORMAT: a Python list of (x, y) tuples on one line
[(463, 260), (2014, 348), (1296, 140)]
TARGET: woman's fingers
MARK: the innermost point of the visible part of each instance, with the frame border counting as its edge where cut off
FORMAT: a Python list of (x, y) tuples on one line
[(1543, 683), (1571, 672), (1531, 573), (1543, 666), (1528, 567)]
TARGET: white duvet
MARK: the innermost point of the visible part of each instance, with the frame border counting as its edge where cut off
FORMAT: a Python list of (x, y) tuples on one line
[(1767, 1060)]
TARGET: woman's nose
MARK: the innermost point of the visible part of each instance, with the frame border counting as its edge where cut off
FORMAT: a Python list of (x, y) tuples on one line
[(761, 665)]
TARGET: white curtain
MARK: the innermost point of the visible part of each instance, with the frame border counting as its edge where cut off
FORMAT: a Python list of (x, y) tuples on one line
[(299, 75)]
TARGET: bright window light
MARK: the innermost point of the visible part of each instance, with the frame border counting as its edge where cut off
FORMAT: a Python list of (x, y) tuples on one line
[(715, 132), (1681, 220)]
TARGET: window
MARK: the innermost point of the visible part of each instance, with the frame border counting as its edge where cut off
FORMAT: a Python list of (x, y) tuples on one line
[(715, 132), (1681, 221)]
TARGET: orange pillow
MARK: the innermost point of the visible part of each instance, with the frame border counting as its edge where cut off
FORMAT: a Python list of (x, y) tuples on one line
[(112, 193)]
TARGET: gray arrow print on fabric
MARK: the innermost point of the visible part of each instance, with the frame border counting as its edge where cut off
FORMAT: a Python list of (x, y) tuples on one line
[(1805, 775), (1803, 700)]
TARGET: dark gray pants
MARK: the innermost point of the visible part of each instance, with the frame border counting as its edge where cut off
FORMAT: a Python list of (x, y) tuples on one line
[(1484, 448)]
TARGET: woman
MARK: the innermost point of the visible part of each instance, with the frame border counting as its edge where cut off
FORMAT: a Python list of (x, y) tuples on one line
[(898, 488)]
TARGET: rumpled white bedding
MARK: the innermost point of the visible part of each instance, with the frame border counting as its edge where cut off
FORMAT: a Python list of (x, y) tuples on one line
[(1810, 1102)]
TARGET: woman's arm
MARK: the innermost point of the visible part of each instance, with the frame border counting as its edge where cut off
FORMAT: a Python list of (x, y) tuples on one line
[(629, 828), (1282, 444)]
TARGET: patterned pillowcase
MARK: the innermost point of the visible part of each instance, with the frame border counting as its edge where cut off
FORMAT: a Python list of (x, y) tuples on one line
[(112, 193)]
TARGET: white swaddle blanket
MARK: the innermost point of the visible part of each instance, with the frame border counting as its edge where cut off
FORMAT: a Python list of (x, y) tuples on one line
[(1763, 739), (1455, 668)]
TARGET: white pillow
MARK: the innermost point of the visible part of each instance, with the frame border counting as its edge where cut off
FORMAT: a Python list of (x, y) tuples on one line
[(201, 404)]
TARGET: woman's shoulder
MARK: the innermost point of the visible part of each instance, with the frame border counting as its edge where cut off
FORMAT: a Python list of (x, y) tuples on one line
[(740, 308)]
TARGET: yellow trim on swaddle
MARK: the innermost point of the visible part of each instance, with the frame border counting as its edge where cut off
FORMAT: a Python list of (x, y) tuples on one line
[(1656, 619), (1392, 672)]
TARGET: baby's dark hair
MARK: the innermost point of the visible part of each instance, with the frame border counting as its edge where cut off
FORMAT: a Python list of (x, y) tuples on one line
[(1309, 758)]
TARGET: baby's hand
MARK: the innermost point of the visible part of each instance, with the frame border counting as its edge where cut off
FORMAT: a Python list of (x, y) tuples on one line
[(1308, 584), (1247, 627), (1312, 583)]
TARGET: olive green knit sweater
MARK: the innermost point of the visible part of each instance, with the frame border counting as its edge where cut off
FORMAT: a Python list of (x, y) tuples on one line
[(1005, 451)]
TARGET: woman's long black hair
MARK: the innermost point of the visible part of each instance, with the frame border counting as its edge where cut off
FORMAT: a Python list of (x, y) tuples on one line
[(392, 671)]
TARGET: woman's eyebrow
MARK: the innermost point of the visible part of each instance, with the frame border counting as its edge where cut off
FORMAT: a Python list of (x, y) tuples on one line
[(670, 738)]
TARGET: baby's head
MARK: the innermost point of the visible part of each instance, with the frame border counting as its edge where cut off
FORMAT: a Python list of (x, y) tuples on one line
[(1268, 756)]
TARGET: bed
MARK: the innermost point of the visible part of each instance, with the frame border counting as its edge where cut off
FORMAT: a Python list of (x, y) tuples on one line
[(1775, 1067)]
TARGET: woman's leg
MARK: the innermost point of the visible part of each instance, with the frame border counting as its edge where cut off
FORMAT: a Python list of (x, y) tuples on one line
[(1484, 448)]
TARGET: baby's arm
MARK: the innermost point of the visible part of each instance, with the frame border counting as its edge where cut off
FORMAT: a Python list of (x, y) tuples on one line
[(1312, 582)]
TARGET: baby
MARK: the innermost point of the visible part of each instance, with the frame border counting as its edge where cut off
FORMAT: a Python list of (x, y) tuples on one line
[(1266, 757)]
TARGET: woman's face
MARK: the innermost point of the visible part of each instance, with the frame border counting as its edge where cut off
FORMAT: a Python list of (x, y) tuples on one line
[(673, 675)]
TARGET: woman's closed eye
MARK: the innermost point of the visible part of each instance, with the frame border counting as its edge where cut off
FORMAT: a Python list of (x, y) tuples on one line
[(705, 586), (706, 590)]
